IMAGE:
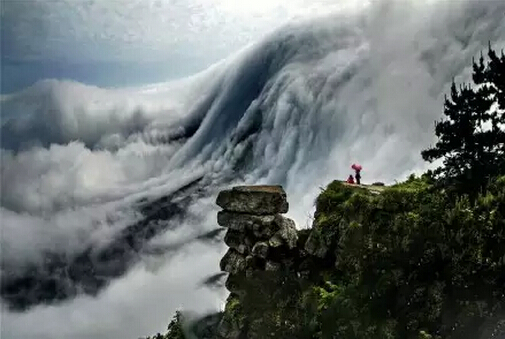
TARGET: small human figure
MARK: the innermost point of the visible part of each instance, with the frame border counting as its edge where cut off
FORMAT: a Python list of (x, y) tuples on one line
[(350, 180), (357, 168), (358, 176)]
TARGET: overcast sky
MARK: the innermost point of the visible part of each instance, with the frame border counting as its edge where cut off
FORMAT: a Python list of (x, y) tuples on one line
[(127, 42)]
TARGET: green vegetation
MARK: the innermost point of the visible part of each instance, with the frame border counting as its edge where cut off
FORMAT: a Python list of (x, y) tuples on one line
[(174, 329), (471, 136), (410, 261)]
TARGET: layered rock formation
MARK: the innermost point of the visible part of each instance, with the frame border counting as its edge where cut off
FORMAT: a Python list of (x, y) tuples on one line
[(263, 247), (258, 235)]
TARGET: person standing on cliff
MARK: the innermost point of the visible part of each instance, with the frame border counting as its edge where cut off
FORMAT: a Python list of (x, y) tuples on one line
[(357, 176)]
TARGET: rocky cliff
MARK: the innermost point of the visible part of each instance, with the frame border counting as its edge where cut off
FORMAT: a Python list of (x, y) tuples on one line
[(385, 263), (408, 261)]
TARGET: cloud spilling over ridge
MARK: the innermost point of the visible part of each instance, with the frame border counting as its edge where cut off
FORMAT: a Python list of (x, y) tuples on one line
[(296, 108), (54, 111)]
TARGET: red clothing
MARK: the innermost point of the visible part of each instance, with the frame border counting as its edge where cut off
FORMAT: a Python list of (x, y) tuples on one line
[(350, 180)]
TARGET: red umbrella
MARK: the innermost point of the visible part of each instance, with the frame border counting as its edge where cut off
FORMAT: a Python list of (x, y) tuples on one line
[(356, 167)]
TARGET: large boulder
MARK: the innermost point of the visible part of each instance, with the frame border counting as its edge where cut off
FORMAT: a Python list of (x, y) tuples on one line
[(286, 235), (262, 226), (233, 262), (260, 200), (272, 266), (235, 284), (236, 240), (260, 250), (316, 244)]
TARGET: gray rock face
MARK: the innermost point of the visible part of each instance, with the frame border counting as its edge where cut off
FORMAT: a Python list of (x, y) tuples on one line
[(275, 241), (265, 232), (262, 226), (260, 250), (229, 329), (234, 285), (286, 235), (232, 262), (272, 266), (316, 245), (259, 200), (236, 240), (251, 266)]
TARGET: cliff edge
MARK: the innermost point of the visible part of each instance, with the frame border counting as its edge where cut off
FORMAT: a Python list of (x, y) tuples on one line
[(406, 261)]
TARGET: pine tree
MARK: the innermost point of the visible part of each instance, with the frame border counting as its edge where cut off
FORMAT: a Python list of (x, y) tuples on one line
[(471, 136)]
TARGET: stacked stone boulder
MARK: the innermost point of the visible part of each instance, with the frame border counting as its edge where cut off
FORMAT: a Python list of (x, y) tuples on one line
[(257, 232), (260, 241)]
